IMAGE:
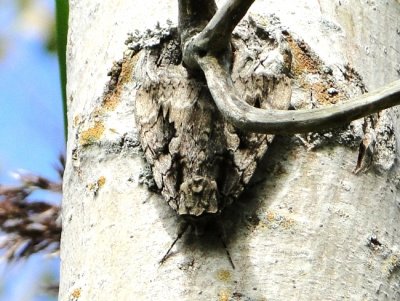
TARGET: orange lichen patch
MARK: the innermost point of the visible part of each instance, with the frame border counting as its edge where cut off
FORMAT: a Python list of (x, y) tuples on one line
[(392, 264), (101, 181), (224, 275), (270, 216), (92, 134), (223, 296), (76, 293), (320, 93), (395, 260), (97, 113), (112, 99), (287, 223), (91, 186), (127, 69), (302, 60), (77, 119), (275, 220), (95, 186)]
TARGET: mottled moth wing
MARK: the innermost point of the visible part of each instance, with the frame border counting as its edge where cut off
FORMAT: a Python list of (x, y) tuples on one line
[(200, 162)]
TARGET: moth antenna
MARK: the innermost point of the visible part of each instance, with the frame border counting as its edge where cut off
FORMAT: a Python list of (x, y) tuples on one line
[(180, 234), (222, 237), (227, 252)]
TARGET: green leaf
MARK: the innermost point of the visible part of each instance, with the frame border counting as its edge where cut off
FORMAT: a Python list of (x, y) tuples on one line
[(62, 12)]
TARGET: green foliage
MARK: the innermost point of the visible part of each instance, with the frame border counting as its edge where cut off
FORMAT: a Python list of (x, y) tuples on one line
[(62, 12)]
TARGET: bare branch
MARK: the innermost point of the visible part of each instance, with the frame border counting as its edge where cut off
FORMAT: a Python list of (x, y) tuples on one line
[(205, 30), (194, 16), (209, 49), (253, 119), (216, 36)]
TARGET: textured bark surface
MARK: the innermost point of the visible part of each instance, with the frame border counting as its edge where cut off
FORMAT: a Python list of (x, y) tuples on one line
[(200, 162), (306, 228)]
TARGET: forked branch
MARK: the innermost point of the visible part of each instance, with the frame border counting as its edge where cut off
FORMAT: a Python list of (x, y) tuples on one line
[(208, 48), (216, 36)]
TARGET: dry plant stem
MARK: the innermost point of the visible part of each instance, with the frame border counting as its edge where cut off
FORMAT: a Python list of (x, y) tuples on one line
[(204, 30), (210, 51), (194, 16), (252, 119), (216, 36)]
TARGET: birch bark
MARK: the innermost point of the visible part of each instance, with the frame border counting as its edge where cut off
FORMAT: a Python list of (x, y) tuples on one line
[(309, 230)]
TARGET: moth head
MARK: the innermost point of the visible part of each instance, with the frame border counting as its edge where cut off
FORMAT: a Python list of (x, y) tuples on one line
[(198, 197)]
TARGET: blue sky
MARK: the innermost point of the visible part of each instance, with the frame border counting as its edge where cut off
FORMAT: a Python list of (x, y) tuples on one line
[(31, 132), (31, 128)]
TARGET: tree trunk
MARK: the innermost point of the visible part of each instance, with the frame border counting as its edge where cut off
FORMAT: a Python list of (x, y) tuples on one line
[(306, 227)]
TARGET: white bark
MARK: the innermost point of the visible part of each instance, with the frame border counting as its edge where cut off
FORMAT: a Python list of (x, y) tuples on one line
[(316, 215)]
